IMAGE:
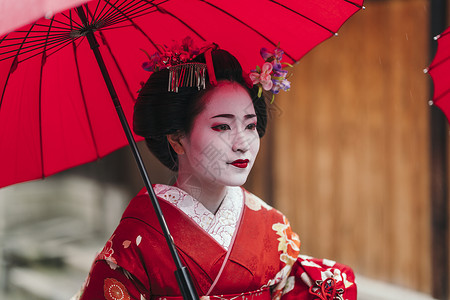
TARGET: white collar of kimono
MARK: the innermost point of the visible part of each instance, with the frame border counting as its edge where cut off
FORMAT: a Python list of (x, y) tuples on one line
[(220, 226)]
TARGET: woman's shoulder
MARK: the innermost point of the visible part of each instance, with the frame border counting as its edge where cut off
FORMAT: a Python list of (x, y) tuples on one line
[(142, 198), (256, 204)]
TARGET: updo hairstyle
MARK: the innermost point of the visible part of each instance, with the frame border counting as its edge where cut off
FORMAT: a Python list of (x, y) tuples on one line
[(158, 112)]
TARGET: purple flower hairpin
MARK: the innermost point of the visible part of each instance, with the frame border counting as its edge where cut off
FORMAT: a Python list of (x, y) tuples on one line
[(271, 77)]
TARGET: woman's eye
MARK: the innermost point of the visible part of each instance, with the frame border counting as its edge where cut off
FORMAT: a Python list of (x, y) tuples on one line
[(251, 126), (221, 127)]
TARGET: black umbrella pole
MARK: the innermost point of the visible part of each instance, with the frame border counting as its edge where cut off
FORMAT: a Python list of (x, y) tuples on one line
[(182, 274)]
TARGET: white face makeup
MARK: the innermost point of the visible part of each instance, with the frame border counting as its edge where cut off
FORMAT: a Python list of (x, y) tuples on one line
[(223, 143)]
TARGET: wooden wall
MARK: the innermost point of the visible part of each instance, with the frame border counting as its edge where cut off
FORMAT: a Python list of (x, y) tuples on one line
[(346, 154), (349, 144)]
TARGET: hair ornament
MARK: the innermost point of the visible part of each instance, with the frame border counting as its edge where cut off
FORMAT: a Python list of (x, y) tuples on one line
[(166, 57), (178, 59), (187, 75), (271, 77)]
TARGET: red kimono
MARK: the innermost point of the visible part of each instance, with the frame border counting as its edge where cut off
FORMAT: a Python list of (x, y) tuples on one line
[(253, 256)]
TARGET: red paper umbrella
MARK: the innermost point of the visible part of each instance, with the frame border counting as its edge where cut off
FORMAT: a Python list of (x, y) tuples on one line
[(55, 110), (439, 71)]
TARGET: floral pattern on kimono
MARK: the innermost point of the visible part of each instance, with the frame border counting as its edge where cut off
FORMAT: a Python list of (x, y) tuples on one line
[(260, 261)]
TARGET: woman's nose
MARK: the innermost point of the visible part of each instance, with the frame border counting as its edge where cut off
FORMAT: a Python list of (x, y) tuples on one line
[(241, 142)]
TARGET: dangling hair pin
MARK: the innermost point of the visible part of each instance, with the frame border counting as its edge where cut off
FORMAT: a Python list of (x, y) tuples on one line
[(187, 75)]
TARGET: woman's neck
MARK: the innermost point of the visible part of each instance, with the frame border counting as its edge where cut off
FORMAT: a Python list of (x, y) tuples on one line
[(211, 195)]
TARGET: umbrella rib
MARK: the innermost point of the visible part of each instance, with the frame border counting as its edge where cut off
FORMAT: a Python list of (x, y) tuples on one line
[(355, 4), (435, 64), (442, 34), (445, 93), (143, 33), (162, 11), (143, 9), (117, 65), (95, 20), (103, 15), (83, 97), (29, 57), (303, 16), (34, 39), (43, 60), (65, 27), (247, 25), (137, 27), (33, 52), (120, 19), (130, 7), (95, 10), (34, 47), (29, 46), (45, 26), (14, 64), (113, 5), (111, 12), (34, 31), (115, 27), (128, 12), (3, 38), (71, 20), (11, 69), (62, 45)]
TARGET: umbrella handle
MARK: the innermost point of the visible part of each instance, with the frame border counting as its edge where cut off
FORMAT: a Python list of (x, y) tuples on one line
[(182, 274)]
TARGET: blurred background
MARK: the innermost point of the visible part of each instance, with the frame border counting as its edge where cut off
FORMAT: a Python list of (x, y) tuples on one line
[(349, 157)]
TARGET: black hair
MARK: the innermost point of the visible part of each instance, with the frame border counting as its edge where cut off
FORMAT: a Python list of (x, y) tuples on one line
[(158, 112)]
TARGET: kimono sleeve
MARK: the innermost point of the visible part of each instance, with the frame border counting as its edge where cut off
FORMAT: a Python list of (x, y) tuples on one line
[(114, 283), (313, 278)]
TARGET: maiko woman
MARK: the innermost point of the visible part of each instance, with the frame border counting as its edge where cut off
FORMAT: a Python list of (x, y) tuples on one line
[(204, 118)]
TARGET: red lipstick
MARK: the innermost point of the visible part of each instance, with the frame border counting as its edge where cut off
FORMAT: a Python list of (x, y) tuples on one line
[(240, 163)]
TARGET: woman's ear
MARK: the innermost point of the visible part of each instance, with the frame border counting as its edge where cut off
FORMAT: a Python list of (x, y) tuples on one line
[(175, 141)]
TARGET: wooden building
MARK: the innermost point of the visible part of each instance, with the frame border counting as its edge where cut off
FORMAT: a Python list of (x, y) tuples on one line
[(347, 153), (349, 149)]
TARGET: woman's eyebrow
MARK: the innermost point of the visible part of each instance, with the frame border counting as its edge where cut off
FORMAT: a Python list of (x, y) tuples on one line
[(249, 116), (231, 116), (228, 116)]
